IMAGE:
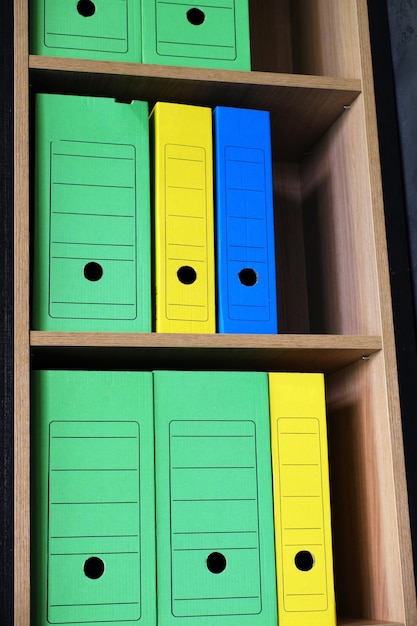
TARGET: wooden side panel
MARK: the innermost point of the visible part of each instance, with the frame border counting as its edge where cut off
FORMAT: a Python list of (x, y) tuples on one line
[(270, 21), (325, 38), (340, 247), (367, 464), (292, 298), (21, 303)]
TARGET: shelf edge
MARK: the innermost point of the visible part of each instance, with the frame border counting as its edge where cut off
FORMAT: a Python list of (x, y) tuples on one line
[(142, 70), (227, 341)]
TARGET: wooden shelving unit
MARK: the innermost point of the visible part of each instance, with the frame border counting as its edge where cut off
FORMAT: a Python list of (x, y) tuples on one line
[(312, 70)]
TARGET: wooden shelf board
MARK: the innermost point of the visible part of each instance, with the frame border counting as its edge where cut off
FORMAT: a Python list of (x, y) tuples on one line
[(302, 107), (325, 353), (365, 622)]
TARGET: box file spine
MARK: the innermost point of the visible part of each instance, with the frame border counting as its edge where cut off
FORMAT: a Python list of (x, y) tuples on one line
[(87, 29), (303, 540), (214, 499), (93, 536), (184, 219), (246, 277), (92, 215), (212, 34)]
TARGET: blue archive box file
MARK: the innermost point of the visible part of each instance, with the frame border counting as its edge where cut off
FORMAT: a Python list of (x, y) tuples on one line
[(247, 298)]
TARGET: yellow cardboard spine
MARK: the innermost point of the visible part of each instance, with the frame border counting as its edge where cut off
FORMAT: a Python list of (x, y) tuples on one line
[(184, 218), (303, 541)]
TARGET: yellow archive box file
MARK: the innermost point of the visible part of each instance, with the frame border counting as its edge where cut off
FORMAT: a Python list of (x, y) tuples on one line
[(184, 218), (303, 541)]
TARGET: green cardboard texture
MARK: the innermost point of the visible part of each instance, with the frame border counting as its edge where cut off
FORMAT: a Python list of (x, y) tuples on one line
[(92, 215), (87, 29), (215, 545), (93, 514), (213, 34)]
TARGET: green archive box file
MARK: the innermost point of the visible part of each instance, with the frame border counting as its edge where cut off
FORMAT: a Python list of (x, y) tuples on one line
[(108, 30), (93, 522), (92, 215), (214, 33), (215, 545)]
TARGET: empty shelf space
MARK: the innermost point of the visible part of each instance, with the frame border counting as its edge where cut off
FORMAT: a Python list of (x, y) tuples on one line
[(302, 107)]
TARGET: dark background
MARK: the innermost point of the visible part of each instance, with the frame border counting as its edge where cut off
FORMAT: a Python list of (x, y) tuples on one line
[(393, 26), (6, 312)]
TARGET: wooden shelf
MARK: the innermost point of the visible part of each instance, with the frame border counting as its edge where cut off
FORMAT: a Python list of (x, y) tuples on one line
[(311, 353), (315, 78), (302, 107), (360, 622)]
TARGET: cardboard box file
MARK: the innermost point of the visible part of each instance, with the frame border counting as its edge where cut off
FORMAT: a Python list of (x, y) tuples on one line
[(93, 524), (214, 33), (215, 544), (245, 261), (184, 218), (108, 30), (92, 215), (303, 535)]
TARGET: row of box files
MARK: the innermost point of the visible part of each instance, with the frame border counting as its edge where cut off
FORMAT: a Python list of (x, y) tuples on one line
[(114, 451), (212, 34), (92, 245)]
